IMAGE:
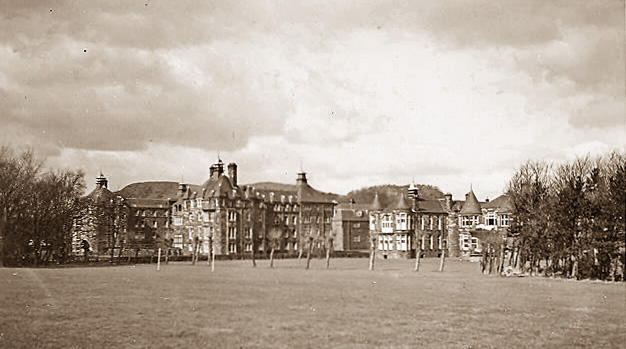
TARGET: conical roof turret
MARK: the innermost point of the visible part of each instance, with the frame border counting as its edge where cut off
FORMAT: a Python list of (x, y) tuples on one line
[(471, 205), (376, 206), (402, 204)]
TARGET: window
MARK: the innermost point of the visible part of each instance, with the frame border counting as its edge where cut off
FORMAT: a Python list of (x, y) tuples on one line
[(199, 203), (467, 221), (372, 222), (155, 224), (380, 242), (465, 242), (232, 232), (178, 220), (232, 248), (205, 216), (356, 238), (432, 242), (439, 242), (401, 221), (356, 225), (491, 218), (248, 247), (387, 224), (431, 218), (295, 220), (398, 243), (232, 216), (505, 220), (439, 222), (423, 221), (474, 243)]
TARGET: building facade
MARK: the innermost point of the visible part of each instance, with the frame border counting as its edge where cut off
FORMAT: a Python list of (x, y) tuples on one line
[(351, 227), (227, 219)]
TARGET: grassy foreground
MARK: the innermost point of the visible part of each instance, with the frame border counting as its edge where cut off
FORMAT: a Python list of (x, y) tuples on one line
[(347, 306)]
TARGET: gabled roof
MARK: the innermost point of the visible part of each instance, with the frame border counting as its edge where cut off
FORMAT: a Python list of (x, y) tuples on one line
[(220, 186), (471, 205), (101, 195), (502, 203)]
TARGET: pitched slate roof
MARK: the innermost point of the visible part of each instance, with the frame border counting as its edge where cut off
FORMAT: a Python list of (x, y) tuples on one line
[(471, 205), (220, 186), (147, 203), (502, 203), (265, 188), (306, 193), (431, 206), (101, 195), (150, 190)]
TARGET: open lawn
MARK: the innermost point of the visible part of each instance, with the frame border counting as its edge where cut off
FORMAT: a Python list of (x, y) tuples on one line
[(347, 306)]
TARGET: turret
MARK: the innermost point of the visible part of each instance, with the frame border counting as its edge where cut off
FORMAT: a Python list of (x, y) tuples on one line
[(101, 181)]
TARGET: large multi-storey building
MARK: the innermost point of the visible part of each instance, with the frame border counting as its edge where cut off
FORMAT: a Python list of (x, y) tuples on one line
[(226, 218), (229, 219), (412, 222)]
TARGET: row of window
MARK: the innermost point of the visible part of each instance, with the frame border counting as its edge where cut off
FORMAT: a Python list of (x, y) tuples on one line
[(490, 219), (147, 213)]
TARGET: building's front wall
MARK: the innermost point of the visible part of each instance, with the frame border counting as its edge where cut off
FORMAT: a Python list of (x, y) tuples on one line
[(432, 233), (490, 220), (394, 233)]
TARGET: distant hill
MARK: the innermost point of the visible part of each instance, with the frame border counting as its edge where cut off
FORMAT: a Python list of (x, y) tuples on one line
[(389, 194)]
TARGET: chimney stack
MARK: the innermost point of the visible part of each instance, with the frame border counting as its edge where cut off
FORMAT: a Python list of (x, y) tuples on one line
[(448, 201), (232, 173)]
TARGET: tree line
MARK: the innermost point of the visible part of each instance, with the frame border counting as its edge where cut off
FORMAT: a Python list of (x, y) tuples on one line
[(37, 208), (569, 218)]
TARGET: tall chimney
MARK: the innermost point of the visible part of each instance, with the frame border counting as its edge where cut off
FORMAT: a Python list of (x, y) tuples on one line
[(448, 201), (232, 173)]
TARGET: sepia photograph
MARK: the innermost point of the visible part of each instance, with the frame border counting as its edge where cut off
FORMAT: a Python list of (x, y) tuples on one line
[(312, 174)]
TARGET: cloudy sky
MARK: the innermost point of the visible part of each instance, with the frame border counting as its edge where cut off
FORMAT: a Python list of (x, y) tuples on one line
[(355, 93)]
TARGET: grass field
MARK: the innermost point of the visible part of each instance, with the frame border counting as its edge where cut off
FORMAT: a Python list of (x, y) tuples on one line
[(347, 306)]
